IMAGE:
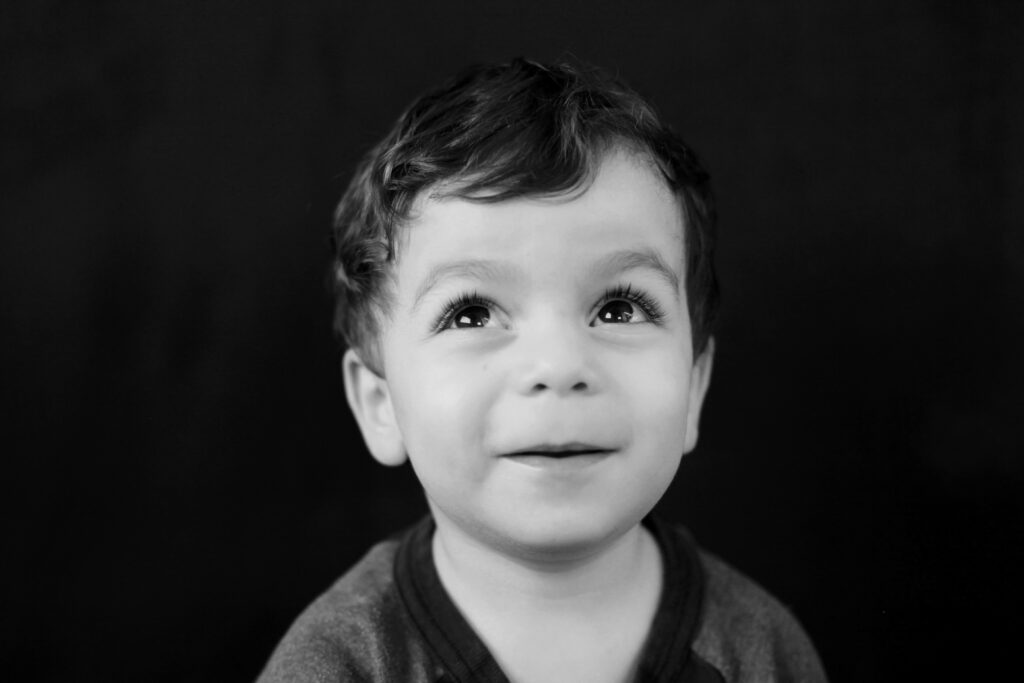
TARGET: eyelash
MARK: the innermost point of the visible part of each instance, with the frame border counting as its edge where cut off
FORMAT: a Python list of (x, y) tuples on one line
[(456, 304), (647, 304)]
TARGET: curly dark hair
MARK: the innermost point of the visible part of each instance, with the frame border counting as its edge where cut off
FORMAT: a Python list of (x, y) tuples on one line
[(497, 132)]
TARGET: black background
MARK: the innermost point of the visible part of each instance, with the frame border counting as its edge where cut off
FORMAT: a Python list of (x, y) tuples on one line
[(182, 475)]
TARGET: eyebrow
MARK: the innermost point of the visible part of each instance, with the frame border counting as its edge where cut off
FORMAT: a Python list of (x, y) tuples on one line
[(490, 270), (632, 259), (476, 269)]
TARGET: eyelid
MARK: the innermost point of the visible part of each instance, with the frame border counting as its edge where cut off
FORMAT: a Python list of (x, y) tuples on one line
[(626, 292), (622, 292), (458, 303)]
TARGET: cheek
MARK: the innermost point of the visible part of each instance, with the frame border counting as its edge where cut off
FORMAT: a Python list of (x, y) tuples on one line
[(441, 407), (661, 397)]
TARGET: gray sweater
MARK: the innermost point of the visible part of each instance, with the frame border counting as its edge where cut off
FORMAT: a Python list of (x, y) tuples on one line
[(390, 619)]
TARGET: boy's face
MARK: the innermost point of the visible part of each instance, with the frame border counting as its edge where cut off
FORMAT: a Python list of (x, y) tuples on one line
[(538, 361)]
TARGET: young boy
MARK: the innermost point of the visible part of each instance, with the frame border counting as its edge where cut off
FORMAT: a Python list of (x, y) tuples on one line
[(524, 280)]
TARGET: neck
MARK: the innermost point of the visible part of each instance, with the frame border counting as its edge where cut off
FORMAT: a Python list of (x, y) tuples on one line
[(575, 616)]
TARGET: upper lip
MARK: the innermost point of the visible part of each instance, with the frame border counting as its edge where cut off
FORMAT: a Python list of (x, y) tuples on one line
[(555, 449)]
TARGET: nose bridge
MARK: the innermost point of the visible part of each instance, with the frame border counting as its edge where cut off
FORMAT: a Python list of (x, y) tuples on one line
[(555, 357)]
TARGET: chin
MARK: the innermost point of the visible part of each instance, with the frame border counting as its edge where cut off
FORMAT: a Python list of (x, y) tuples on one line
[(565, 533)]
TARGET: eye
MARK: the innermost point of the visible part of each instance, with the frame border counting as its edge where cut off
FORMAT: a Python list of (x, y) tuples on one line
[(616, 312), (465, 312), (471, 316), (623, 305)]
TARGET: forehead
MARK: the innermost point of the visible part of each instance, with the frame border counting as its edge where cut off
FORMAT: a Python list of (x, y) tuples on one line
[(626, 206)]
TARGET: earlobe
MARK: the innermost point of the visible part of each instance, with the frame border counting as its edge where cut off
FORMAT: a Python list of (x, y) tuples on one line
[(370, 400), (700, 378)]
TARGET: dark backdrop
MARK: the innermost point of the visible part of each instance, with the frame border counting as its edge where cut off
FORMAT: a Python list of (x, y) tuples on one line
[(182, 475)]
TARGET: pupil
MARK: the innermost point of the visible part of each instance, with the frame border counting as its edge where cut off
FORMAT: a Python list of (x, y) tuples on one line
[(617, 312), (472, 316)]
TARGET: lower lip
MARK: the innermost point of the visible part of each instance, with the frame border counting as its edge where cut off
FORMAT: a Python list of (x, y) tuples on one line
[(562, 463)]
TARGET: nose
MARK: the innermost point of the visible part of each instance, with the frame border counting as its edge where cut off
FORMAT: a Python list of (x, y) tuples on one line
[(556, 360)]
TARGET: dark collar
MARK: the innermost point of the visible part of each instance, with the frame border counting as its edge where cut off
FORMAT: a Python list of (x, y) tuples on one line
[(464, 657)]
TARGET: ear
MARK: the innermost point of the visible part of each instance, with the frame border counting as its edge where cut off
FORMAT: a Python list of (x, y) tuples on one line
[(370, 400), (700, 378)]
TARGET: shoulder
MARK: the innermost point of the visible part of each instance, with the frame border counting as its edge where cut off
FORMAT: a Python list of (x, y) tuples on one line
[(356, 631), (749, 635)]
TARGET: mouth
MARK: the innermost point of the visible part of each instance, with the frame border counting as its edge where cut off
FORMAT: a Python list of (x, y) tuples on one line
[(559, 451)]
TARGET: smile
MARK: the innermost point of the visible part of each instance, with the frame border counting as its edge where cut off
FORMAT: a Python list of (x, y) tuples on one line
[(564, 450)]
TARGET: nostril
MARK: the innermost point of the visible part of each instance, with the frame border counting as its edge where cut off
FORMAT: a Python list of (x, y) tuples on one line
[(541, 387)]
